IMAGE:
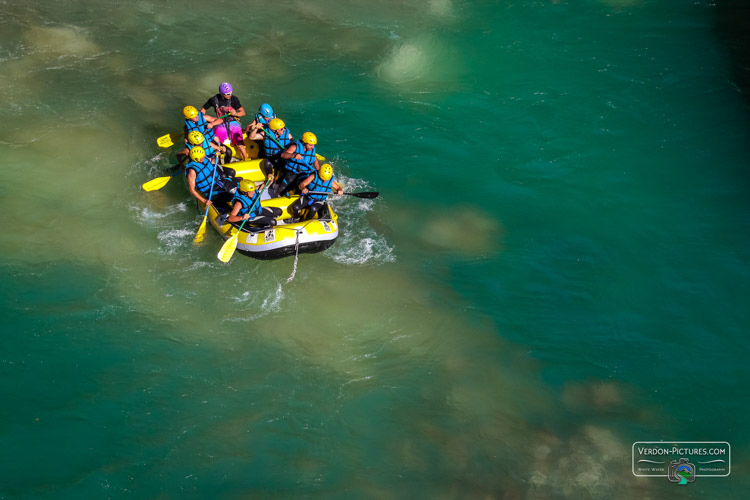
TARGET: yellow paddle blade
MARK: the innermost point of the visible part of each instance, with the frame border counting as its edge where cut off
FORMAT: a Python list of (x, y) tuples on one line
[(201, 232), (167, 140), (157, 183), (228, 248), (164, 141), (320, 157)]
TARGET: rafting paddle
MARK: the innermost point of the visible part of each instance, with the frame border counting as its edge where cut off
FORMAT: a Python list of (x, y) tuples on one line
[(202, 229), (369, 195), (160, 182), (167, 141), (229, 246)]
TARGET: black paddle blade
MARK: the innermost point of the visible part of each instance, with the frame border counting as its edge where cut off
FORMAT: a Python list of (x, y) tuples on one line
[(367, 194)]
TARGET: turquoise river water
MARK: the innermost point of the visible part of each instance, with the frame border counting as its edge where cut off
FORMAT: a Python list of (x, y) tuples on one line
[(555, 268)]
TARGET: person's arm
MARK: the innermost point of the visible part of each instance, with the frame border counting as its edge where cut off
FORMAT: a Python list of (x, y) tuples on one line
[(254, 135), (237, 105), (289, 152), (219, 147), (193, 191), (316, 164), (233, 217), (212, 122), (253, 127), (303, 184), (337, 187)]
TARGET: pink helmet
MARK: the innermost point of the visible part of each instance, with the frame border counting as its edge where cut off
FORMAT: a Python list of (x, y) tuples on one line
[(225, 88)]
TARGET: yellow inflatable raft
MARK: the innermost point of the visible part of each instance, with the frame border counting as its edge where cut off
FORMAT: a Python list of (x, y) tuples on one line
[(287, 237)]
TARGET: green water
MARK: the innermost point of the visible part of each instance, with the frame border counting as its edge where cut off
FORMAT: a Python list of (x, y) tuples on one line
[(557, 265)]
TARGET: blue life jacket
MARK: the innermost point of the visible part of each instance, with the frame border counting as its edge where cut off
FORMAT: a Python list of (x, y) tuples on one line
[(246, 203), (319, 184), (272, 149), (203, 172), (201, 126), (305, 164), (207, 147)]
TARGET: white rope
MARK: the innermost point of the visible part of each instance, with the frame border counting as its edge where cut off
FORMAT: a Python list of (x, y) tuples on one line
[(296, 247), (296, 256)]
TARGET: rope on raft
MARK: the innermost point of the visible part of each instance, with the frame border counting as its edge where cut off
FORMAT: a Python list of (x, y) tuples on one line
[(296, 256), (296, 247)]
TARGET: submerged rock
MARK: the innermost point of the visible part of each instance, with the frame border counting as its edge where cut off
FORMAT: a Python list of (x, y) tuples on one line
[(61, 41)]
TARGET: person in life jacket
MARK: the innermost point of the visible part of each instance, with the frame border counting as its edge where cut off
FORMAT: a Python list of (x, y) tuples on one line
[(246, 206), (213, 148), (274, 137), (197, 121), (320, 181), (200, 173), (224, 103), (262, 118), (301, 161)]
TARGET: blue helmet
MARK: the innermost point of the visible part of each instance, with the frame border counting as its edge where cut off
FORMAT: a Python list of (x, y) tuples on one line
[(266, 111)]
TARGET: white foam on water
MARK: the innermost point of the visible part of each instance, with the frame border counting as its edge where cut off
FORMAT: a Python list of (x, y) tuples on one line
[(147, 215), (358, 242), (174, 240), (259, 304), (362, 251), (153, 166), (201, 264)]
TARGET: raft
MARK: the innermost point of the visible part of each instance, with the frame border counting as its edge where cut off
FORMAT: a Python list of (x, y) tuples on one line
[(287, 237)]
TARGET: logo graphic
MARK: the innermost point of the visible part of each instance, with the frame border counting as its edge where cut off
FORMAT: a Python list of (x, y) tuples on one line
[(681, 471), (682, 461)]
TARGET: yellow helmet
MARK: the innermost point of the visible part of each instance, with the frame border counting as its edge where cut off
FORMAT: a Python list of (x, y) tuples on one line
[(247, 186), (326, 171), (196, 137), (309, 138), (189, 111), (197, 153), (276, 124)]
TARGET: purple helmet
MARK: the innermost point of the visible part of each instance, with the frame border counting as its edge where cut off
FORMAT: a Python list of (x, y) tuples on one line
[(225, 88)]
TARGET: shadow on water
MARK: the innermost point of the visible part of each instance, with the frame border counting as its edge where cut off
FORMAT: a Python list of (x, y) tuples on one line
[(733, 25)]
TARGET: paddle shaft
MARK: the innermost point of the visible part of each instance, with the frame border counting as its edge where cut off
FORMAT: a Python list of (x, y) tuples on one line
[(366, 194), (178, 166), (211, 191), (202, 228)]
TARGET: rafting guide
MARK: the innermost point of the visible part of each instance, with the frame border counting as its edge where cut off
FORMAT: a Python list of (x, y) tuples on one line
[(681, 462)]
